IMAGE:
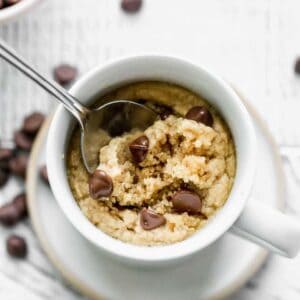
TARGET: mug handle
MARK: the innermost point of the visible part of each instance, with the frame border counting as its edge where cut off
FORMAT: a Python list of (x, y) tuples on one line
[(270, 228)]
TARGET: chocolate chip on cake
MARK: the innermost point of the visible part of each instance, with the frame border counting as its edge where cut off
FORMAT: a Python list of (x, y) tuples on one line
[(139, 148), (100, 184), (44, 174), (16, 246), (18, 164), (186, 201), (33, 123), (150, 220), (65, 74), (200, 114), (23, 140), (131, 6), (165, 112)]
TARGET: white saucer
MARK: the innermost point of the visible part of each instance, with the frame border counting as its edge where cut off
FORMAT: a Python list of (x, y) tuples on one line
[(214, 273)]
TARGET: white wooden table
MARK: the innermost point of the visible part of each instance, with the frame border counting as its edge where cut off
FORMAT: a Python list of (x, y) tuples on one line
[(253, 44)]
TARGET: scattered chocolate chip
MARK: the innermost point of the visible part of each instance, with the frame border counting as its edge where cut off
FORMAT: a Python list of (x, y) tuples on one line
[(20, 204), (131, 6), (5, 156), (4, 175), (150, 220), (65, 74), (33, 123), (297, 66), (18, 165), (16, 210), (1, 4), (135, 179), (200, 114), (186, 201), (100, 184), (23, 140), (11, 2), (16, 246), (9, 214), (44, 174), (139, 148)]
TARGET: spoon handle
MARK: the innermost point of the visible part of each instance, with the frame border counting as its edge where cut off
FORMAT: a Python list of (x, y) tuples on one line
[(69, 102)]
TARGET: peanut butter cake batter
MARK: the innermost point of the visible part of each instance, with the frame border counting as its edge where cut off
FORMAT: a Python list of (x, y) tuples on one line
[(158, 186)]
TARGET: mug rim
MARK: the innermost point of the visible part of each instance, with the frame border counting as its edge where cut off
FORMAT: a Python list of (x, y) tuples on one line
[(217, 225)]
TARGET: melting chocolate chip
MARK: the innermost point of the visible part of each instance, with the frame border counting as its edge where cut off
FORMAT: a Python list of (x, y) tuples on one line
[(9, 215), (200, 114), (131, 6), (23, 140), (16, 246), (33, 123), (18, 165), (65, 74), (44, 174), (186, 201), (100, 184), (4, 175), (150, 220), (139, 148), (165, 112)]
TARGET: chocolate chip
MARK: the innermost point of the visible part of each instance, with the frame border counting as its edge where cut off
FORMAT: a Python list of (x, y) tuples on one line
[(23, 140), (150, 220), (297, 66), (5, 156), (44, 174), (16, 246), (16, 210), (33, 123), (20, 204), (11, 2), (100, 184), (186, 201), (65, 74), (1, 4), (165, 112), (131, 6), (4, 175), (200, 114), (9, 214), (139, 148), (18, 165), (135, 179)]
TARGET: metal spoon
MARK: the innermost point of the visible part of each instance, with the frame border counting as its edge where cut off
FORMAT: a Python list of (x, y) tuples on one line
[(114, 118)]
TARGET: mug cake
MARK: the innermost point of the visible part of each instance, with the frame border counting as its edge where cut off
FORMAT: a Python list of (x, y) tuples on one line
[(161, 185)]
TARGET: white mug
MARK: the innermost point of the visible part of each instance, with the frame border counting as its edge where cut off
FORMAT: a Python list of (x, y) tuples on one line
[(251, 220)]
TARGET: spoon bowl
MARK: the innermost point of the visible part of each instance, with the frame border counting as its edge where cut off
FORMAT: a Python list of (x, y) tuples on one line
[(110, 120)]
